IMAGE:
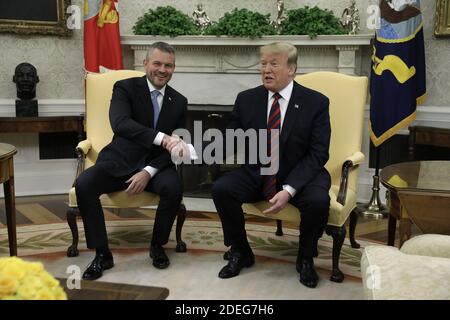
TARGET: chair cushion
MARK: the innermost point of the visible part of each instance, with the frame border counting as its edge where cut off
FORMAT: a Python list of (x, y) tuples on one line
[(338, 213), (388, 273), (120, 199), (432, 245)]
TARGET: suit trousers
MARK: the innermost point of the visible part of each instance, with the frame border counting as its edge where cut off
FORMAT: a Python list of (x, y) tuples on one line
[(96, 181), (233, 189)]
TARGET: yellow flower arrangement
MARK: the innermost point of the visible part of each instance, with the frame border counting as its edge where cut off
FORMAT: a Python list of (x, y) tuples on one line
[(22, 280)]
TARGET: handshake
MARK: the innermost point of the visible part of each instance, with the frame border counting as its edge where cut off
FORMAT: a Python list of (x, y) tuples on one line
[(178, 149)]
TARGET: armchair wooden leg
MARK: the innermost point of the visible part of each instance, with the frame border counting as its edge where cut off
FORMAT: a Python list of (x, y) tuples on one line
[(338, 234), (181, 217), (279, 231), (352, 227), (71, 216)]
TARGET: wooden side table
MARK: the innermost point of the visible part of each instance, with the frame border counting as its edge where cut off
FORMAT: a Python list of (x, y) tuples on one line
[(430, 136), (43, 124), (419, 192), (7, 153)]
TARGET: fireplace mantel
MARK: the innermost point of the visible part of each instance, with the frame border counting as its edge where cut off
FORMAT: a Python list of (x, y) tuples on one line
[(232, 64)]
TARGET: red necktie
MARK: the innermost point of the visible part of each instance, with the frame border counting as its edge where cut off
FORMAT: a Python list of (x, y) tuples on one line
[(274, 122)]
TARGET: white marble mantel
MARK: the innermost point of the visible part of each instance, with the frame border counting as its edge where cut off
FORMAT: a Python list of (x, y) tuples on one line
[(214, 69)]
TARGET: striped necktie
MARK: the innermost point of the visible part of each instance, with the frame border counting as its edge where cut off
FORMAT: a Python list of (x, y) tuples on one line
[(274, 122)]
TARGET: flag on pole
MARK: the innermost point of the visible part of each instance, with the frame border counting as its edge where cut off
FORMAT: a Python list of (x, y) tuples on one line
[(397, 83), (101, 36)]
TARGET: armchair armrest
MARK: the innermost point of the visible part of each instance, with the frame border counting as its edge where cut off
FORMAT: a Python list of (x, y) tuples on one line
[(356, 158), (432, 245), (81, 149), (84, 146), (349, 163)]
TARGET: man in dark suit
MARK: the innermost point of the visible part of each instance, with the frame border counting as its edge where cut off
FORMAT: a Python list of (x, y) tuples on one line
[(144, 112), (302, 118)]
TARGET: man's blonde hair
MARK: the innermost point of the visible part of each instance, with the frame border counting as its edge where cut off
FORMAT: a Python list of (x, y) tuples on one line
[(282, 47)]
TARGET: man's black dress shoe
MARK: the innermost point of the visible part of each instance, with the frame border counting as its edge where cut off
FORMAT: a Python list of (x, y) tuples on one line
[(160, 259), (308, 275), (237, 261), (100, 263)]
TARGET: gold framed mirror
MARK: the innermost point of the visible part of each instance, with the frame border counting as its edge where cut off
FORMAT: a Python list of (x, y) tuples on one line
[(35, 17), (442, 28)]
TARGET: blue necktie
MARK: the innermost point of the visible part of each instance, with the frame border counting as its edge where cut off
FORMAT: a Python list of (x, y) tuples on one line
[(156, 109)]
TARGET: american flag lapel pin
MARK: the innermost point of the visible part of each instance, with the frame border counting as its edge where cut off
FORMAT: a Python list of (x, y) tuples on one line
[(296, 106)]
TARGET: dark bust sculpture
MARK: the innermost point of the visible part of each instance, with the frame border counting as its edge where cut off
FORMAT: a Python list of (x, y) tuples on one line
[(25, 77)]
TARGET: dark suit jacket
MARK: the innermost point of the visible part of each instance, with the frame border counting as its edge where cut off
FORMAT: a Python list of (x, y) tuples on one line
[(305, 134), (131, 117)]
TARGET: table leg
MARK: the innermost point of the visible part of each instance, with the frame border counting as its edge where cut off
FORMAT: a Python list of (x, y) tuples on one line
[(392, 226), (10, 205), (10, 208), (404, 230)]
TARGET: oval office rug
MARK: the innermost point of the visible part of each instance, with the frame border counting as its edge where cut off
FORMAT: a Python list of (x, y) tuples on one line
[(190, 274)]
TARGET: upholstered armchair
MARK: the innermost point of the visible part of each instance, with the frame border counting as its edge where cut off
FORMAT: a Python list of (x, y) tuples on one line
[(99, 133), (347, 95), (420, 270)]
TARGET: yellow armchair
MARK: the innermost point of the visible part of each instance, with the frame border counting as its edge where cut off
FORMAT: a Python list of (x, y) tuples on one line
[(99, 133), (347, 95)]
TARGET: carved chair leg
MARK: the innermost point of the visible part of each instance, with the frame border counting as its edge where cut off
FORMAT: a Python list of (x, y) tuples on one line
[(71, 216), (181, 217), (338, 235), (352, 227), (279, 231)]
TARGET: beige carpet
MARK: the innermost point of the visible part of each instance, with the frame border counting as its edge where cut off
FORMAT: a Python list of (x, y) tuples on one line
[(193, 275)]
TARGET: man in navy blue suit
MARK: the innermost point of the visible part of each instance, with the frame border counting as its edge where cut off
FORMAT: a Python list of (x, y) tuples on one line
[(144, 112), (302, 119)]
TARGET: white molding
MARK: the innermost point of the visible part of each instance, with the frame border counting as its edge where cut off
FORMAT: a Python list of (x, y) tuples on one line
[(46, 107), (331, 40)]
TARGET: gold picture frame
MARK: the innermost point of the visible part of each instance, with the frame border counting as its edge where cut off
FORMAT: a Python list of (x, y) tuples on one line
[(48, 17), (442, 28)]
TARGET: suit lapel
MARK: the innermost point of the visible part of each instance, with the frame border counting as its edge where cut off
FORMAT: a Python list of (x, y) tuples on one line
[(292, 112), (167, 107), (261, 108), (146, 100)]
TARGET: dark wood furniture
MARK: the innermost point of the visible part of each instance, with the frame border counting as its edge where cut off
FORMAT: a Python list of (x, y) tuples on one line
[(7, 153), (43, 124), (429, 136), (97, 290), (419, 192)]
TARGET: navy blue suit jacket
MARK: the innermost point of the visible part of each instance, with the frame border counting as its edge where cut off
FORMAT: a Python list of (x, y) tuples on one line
[(305, 134), (131, 117)]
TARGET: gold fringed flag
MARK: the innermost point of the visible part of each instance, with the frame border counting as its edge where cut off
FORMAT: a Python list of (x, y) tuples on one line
[(398, 69), (102, 50)]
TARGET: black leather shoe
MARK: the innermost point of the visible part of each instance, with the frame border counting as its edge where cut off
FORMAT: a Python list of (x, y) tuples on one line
[(237, 261), (97, 266), (160, 259), (308, 275)]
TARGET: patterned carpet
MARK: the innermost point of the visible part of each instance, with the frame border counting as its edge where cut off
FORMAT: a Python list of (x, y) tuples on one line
[(43, 235), (42, 229)]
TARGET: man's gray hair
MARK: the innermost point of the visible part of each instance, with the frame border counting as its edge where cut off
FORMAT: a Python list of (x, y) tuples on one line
[(282, 47), (161, 46)]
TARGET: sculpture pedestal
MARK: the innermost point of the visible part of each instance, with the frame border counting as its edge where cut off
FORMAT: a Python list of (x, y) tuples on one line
[(26, 108)]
